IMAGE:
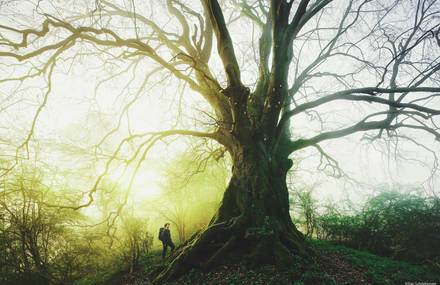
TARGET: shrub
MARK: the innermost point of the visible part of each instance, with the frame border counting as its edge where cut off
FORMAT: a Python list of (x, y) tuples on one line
[(400, 225)]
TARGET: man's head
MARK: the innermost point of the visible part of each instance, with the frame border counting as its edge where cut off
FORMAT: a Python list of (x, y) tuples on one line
[(167, 225)]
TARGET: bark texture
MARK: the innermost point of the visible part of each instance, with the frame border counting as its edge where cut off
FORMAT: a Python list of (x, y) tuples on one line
[(252, 224)]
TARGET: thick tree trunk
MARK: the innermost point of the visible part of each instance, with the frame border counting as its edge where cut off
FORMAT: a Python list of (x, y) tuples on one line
[(252, 225)]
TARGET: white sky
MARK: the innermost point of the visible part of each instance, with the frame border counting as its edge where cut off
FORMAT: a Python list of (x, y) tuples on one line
[(68, 115)]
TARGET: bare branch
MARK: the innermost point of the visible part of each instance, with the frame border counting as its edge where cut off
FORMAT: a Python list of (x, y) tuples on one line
[(224, 43), (372, 97), (328, 162), (153, 138)]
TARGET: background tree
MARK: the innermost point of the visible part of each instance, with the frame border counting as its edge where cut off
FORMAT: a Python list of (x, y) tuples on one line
[(137, 241), (32, 233), (191, 192), (41, 244), (347, 66), (305, 208)]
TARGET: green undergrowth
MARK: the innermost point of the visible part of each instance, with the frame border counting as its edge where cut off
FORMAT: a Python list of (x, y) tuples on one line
[(329, 264), (373, 269)]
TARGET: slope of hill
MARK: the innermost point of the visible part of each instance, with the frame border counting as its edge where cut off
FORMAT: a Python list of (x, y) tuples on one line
[(329, 265)]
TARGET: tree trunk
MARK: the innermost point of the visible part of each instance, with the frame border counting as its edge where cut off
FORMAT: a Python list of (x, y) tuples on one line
[(252, 225)]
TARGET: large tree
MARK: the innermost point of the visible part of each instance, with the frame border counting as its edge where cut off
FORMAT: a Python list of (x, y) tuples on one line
[(349, 66)]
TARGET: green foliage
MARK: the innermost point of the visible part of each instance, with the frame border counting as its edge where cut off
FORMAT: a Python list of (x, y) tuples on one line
[(136, 242), (32, 234), (305, 208), (125, 251), (400, 225), (316, 277), (382, 270), (43, 244)]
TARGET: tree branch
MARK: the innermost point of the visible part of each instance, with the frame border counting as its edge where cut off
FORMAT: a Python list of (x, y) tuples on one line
[(153, 137), (372, 97), (224, 43)]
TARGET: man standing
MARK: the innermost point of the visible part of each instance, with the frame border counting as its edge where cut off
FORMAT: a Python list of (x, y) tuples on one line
[(165, 238)]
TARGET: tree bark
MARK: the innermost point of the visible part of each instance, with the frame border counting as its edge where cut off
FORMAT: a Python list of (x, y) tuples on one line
[(253, 224)]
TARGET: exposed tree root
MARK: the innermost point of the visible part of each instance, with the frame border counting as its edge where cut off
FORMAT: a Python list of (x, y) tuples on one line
[(230, 243)]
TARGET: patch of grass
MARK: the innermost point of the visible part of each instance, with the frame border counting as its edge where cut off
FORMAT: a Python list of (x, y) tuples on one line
[(382, 270)]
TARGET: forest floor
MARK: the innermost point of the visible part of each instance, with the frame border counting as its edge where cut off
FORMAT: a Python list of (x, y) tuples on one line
[(331, 265)]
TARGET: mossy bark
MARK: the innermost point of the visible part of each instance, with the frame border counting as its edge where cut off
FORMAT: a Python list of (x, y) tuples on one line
[(252, 225)]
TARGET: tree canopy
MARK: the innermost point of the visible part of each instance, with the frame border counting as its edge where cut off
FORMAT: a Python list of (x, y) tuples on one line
[(270, 78)]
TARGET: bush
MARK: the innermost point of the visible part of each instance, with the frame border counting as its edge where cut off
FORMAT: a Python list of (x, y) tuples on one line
[(400, 225), (40, 244), (136, 243), (305, 208)]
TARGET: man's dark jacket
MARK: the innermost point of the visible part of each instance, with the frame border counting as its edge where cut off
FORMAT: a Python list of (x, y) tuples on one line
[(166, 236)]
